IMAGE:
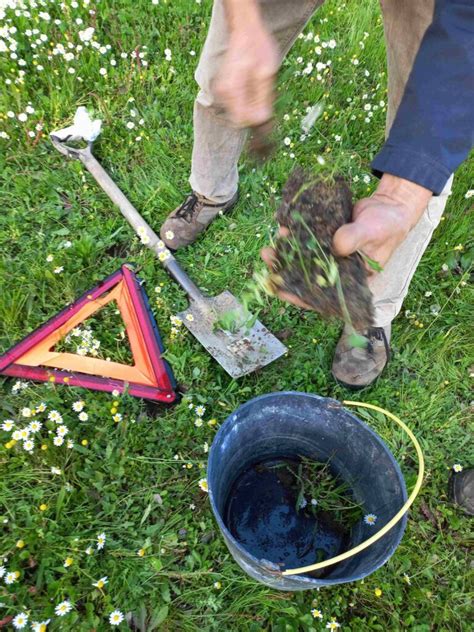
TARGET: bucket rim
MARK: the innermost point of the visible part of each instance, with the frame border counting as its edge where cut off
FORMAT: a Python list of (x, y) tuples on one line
[(258, 563)]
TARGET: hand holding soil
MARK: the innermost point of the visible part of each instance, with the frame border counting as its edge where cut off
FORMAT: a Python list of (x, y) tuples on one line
[(381, 222), (303, 267)]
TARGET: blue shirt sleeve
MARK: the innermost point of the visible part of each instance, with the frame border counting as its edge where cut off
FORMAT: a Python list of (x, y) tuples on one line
[(433, 131)]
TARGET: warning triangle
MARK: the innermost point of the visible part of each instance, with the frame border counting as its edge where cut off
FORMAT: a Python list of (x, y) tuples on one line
[(150, 377)]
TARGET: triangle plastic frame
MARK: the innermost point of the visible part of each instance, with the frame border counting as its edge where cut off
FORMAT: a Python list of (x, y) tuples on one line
[(150, 377)]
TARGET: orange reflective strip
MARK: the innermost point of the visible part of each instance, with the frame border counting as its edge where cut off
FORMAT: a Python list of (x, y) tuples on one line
[(95, 366), (140, 373)]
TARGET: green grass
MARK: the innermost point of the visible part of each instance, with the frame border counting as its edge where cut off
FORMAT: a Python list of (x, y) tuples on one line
[(137, 480)]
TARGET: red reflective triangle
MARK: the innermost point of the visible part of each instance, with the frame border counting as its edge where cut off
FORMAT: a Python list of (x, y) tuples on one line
[(150, 376)]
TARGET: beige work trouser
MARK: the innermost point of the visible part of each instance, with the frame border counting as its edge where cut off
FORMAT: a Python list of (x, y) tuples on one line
[(218, 144)]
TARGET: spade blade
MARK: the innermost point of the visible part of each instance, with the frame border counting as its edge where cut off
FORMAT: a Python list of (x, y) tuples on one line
[(238, 353)]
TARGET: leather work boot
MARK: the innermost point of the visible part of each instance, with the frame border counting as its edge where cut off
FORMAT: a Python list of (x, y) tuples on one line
[(356, 367), (461, 490), (183, 226)]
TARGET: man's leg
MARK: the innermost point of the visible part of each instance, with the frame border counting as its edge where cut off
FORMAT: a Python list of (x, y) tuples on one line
[(405, 23), (217, 143)]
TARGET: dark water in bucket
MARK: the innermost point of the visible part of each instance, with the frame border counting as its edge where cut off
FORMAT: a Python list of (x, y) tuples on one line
[(262, 512)]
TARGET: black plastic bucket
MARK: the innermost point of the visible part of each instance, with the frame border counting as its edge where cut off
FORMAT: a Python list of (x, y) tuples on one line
[(293, 425)]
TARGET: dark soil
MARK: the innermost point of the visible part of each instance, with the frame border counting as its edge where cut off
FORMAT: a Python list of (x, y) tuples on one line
[(313, 210)]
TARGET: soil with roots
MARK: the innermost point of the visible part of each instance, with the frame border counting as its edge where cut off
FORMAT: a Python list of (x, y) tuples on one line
[(312, 210)]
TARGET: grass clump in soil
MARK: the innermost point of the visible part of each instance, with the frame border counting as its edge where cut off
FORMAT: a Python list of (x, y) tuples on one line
[(320, 493), (312, 210)]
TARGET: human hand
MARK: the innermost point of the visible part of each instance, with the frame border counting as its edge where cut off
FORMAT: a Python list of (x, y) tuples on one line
[(381, 222), (245, 83), (269, 257)]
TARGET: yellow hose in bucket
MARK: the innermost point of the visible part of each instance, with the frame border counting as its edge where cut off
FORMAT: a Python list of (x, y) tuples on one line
[(398, 516)]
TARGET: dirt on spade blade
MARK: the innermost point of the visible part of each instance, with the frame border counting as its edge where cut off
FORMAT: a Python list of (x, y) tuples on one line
[(313, 210)]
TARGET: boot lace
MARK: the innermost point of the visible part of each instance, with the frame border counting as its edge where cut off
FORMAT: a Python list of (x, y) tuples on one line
[(377, 333), (188, 208)]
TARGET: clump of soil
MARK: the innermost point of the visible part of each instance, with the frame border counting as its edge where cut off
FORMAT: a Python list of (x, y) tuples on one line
[(313, 210)]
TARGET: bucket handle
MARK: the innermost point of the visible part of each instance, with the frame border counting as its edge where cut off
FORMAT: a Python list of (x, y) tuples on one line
[(396, 518)]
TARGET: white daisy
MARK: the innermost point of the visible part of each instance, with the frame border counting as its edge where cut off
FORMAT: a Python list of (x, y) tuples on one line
[(3, 570), (35, 426), (63, 608), (200, 410), (7, 425), (203, 485), (101, 582), (457, 467), (29, 445), (101, 541), (70, 444), (41, 407), (55, 470), (58, 441), (62, 431), (83, 416), (53, 415), (16, 435), (10, 578), (78, 406), (116, 617), (370, 519), (24, 433), (26, 412), (20, 621)]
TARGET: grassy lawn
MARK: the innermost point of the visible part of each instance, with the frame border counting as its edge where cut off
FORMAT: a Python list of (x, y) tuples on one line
[(136, 480)]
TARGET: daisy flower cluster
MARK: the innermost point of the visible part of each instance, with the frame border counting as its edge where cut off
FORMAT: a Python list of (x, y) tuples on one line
[(19, 386), (332, 128), (114, 411), (59, 43), (177, 329), (28, 429), (84, 340), (198, 411), (318, 60), (63, 608), (332, 624)]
